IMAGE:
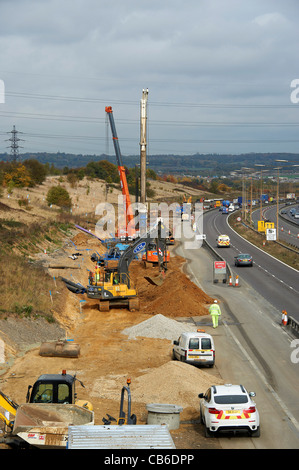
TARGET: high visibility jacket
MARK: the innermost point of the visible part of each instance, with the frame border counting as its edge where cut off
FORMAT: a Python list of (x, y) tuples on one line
[(215, 309), (97, 274)]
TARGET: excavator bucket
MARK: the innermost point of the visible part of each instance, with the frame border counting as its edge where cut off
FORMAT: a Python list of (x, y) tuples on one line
[(155, 280), (61, 348), (134, 304)]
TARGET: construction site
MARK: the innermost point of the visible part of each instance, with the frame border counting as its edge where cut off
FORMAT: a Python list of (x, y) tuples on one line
[(115, 345), (116, 313)]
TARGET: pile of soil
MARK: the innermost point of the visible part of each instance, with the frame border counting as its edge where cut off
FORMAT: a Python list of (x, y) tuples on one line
[(176, 297)]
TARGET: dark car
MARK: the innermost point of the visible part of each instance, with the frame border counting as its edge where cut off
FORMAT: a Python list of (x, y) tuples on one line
[(243, 259)]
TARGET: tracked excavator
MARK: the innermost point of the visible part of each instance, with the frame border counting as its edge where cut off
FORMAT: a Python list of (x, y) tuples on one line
[(111, 284)]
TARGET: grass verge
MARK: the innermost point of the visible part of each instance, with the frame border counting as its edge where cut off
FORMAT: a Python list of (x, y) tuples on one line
[(258, 239)]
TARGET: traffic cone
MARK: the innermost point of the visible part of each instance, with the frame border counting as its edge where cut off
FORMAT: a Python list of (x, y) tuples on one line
[(284, 318), (230, 281), (237, 281)]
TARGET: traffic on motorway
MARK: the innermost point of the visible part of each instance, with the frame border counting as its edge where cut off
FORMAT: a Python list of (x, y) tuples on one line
[(274, 280)]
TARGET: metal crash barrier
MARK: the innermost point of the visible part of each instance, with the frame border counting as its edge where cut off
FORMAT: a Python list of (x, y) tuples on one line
[(293, 325)]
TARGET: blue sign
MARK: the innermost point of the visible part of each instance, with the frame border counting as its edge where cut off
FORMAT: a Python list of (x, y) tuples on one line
[(139, 247)]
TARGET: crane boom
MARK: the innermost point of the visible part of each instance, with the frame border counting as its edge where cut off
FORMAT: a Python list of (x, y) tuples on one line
[(122, 174)]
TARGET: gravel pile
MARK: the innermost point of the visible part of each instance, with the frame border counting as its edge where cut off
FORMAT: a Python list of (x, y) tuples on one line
[(160, 327), (174, 382)]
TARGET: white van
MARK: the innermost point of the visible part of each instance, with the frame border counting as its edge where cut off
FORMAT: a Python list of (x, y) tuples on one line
[(195, 348), (223, 241)]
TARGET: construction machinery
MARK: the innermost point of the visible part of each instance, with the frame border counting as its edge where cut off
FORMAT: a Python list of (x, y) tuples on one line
[(129, 217), (56, 388), (124, 418), (51, 406), (152, 255), (111, 284)]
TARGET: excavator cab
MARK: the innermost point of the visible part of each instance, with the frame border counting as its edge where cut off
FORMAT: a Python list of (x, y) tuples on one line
[(52, 388), (55, 388)]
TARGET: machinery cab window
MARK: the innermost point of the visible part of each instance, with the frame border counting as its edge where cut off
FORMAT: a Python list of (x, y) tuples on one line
[(43, 393), (64, 393)]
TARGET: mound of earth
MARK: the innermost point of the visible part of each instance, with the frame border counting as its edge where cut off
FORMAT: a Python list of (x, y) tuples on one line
[(178, 296)]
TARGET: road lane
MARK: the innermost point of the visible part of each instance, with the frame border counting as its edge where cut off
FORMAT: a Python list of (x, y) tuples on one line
[(276, 282), (252, 349)]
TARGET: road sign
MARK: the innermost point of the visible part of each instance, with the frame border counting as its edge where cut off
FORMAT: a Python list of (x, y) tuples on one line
[(219, 271), (271, 234)]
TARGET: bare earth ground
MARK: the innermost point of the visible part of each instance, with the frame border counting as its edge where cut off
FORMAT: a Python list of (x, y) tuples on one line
[(108, 356)]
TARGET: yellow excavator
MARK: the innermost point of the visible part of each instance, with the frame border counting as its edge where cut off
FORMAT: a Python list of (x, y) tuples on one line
[(10, 408), (111, 284)]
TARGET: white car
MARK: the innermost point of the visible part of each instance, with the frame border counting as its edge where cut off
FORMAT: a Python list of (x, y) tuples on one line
[(229, 408)]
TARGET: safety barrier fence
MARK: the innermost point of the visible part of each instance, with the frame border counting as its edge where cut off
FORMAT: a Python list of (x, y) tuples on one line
[(293, 325)]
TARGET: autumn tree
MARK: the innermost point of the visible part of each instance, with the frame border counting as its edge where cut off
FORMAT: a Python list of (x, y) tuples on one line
[(17, 176), (59, 196)]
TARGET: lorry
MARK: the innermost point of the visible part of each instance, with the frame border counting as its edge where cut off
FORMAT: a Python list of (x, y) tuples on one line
[(195, 348)]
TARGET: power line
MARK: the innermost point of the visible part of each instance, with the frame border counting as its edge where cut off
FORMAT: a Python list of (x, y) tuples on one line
[(14, 147), (152, 103)]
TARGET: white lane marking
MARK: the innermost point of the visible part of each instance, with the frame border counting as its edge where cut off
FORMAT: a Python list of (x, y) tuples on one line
[(256, 369), (261, 267), (258, 372)]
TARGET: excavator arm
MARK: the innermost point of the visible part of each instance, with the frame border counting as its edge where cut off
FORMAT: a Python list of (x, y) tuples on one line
[(9, 406), (139, 245)]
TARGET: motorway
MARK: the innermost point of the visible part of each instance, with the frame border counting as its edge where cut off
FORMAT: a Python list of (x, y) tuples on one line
[(251, 346), (275, 281)]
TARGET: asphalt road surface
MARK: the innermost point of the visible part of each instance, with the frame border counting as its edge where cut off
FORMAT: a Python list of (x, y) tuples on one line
[(252, 348), (275, 281)]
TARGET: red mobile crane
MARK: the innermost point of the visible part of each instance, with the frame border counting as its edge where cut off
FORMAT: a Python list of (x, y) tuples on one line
[(130, 229)]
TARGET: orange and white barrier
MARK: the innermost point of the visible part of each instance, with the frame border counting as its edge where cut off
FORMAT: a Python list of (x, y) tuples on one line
[(237, 281), (230, 281), (284, 318)]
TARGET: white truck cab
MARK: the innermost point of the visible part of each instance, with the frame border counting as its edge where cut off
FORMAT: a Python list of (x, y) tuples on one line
[(195, 348)]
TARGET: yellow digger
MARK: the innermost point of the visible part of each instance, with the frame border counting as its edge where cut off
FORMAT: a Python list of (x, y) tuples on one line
[(111, 283), (109, 286)]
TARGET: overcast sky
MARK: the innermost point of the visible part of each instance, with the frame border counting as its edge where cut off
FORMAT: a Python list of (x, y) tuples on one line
[(218, 72)]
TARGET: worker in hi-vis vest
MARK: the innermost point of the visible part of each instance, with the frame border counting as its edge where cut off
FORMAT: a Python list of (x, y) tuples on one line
[(215, 312)]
